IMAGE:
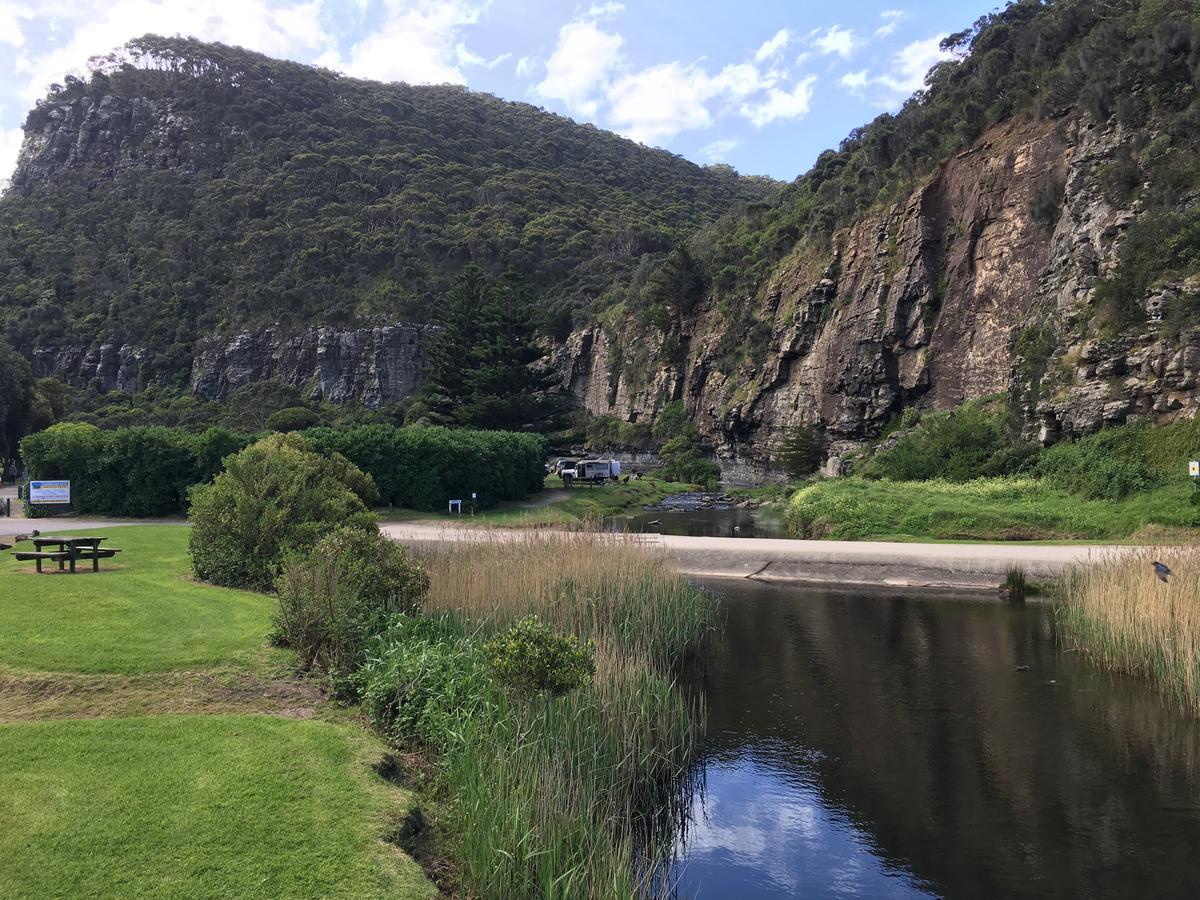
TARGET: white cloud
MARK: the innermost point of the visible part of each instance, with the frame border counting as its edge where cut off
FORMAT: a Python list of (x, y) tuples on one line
[(905, 73), (836, 40), (774, 46), (418, 41), (782, 104), (657, 103), (605, 10), (468, 58), (661, 101), (909, 65), (581, 67), (10, 23), (526, 65), (10, 145), (891, 21), (719, 151), (855, 80)]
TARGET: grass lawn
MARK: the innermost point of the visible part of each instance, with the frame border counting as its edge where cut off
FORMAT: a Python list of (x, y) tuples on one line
[(139, 613), (196, 806), (580, 504)]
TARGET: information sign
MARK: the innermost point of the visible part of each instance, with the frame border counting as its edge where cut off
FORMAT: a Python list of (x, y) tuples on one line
[(50, 492)]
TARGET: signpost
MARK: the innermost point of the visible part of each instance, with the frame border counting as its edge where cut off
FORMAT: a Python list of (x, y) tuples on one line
[(50, 492), (455, 507)]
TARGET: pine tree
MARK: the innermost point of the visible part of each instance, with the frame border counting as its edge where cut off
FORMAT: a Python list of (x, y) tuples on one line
[(481, 371)]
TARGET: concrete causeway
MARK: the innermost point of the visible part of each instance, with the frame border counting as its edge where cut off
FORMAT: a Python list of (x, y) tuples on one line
[(976, 567)]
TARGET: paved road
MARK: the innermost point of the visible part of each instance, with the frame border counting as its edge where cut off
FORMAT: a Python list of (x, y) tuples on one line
[(951, 566)]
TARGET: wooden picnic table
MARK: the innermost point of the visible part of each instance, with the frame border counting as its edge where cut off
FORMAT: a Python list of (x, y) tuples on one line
[(71, 549)]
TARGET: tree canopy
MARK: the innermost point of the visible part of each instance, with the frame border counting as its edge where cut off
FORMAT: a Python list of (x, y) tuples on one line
[(481, 371), (231, 190)]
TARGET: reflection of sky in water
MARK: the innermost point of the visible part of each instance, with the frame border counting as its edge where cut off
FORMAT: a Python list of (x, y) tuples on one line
[(759, 831)]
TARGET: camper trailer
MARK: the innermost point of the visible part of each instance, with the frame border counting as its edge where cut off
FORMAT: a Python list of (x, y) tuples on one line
[(597, 471)]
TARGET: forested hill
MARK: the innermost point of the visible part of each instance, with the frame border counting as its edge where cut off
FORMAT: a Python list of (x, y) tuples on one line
[(190, 188)]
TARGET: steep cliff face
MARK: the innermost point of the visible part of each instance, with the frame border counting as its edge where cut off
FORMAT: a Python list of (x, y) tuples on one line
[(921, 304), (371, 365)]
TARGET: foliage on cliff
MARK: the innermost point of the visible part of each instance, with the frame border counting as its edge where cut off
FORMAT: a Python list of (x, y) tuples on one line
[(1135, 63), (189, 187)]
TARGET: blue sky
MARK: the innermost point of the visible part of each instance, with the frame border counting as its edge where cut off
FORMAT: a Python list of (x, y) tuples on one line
[(763, 85)]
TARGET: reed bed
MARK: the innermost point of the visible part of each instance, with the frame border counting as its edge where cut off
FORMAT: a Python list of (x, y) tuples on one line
[(600, 587), (1119, 613), (551, 797)]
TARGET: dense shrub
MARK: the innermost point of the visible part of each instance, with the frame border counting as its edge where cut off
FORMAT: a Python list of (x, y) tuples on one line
[(970, 442), (424, 681), (529, 657), (343, 592), (1109, 465), (139, 471), (275, 498), (422, 468), (682, 460), (293, 418)]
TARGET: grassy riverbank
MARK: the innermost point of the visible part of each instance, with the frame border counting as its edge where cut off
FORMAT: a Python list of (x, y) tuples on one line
[(107, 790), (540, 795), (559, 507), (970, 475), (1122, 616), (987, 509)]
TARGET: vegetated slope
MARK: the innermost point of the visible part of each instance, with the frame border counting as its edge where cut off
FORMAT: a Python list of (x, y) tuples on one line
[(187, 188), (1025, 225)]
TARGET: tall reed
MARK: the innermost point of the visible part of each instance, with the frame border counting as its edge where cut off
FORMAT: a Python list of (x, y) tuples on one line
[(597, 586), (574, 796), (1122, 615)]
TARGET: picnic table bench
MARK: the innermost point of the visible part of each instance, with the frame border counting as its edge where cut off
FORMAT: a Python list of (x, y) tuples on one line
[(71, 549)]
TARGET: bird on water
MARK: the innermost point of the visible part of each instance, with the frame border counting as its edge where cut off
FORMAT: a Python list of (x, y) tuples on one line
[(1162, 572)]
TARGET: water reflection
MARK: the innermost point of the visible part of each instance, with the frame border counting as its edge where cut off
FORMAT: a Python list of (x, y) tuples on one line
[(886, 747), (734, 522)]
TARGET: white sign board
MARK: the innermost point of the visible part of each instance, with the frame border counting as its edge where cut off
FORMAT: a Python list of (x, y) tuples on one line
[(50, 492), (1194, 468)]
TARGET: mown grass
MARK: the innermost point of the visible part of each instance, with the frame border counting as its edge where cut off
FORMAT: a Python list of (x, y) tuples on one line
[(195, 806), (140, 613), (549, 796), (1120, 614), (1014, 508)]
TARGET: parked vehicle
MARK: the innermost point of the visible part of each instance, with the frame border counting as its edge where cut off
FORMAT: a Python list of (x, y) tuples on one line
[(563, 462), (597, 471)]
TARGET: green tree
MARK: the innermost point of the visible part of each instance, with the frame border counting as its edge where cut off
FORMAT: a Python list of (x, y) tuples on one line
[(16, 399), (482, 370)]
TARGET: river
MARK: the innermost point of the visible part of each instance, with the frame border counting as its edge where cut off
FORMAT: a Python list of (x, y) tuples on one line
[(867, 745)]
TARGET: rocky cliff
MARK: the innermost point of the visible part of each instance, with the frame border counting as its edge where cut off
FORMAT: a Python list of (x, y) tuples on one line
[(922, 304), (917, 304)]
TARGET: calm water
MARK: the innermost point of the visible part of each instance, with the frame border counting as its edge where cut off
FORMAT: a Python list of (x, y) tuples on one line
[(874, 746), (707, 523)]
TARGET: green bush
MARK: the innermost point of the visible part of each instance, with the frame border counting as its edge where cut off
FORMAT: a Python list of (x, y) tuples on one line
[(138, 471), (531, 658), (682, 461), (422, 468), (970, 442), (275, 498), (293, 418), (333, 599), (1109, 465), (424, 681)]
